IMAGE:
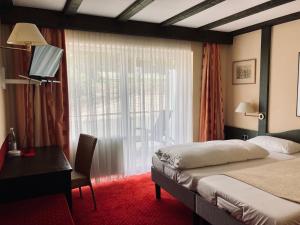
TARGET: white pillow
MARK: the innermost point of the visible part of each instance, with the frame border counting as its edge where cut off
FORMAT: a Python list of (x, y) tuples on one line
[(274, 144), (211, 153)]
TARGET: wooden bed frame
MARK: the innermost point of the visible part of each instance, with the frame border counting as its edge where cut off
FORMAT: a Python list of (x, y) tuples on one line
[(204, 213)]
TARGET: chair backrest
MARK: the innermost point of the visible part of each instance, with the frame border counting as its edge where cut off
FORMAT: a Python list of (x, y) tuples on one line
[(84, 155)]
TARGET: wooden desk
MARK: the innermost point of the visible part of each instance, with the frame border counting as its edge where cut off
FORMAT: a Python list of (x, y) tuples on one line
[(48, 172)]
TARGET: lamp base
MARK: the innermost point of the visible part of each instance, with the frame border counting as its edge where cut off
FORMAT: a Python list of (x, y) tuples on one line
[(14, 152)]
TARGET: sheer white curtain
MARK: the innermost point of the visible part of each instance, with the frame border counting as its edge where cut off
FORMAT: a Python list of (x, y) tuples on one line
[(134, 94)]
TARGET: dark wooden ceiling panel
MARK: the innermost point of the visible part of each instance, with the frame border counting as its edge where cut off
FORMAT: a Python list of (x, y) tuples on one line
[(191, 11), (133, 9), (279, 20), (72, 6), (54, 19)]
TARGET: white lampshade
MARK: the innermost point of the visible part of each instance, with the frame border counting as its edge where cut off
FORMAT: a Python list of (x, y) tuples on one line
[(245, 107), (26, 34)]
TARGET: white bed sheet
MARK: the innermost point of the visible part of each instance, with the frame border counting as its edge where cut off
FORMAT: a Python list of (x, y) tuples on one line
[(247, 203), (190, 178)]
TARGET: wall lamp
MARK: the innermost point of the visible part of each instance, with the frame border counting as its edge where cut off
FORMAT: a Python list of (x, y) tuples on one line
[(25, 34), (248, 110)]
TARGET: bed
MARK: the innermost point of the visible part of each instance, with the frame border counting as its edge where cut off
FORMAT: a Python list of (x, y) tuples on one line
[(200, 194)]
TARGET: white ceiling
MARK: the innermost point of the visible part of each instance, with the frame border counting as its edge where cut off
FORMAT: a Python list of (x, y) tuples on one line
[(57, 5), (219, 11), (261, 17), (161, 10), (108, 8)]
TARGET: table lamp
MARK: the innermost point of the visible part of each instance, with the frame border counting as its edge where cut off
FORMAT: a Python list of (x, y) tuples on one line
[(26, 34), (248, 110)]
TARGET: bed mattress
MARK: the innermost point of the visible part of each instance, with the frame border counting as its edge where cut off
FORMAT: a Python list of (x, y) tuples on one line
[(247, 203), (190, 178)]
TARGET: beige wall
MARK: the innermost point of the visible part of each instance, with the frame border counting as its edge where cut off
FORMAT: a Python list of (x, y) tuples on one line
[(2, 106), (246, 46), (285, 47), (283, 77)]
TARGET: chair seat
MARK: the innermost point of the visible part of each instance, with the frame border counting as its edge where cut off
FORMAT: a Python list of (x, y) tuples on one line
[(79, 179)]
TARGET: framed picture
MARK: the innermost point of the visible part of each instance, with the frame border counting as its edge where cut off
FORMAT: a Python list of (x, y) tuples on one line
[(298, 88), (244, 72)]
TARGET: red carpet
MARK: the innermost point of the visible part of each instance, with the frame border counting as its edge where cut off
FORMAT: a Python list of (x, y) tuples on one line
[(130, 201)]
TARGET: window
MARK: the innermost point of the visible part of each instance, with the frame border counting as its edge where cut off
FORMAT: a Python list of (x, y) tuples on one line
[(134, 94)]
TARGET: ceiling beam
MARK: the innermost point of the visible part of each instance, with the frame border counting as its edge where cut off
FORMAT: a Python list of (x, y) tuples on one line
[(133, 9), (71, 7), (276, 21), (55, 19), (4, 4), (191, 11), (248, 12)]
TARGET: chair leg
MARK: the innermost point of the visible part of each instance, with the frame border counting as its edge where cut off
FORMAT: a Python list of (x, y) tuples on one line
[(196, 219), (80, 192), (93, 195), (202, 221), (157, 192)]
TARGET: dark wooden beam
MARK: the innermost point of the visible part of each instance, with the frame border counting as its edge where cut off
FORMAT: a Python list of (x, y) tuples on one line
[(133, 9), (266, 36), (276, 21), (248, 12), (71, 7), (5, 4), (54, 19), (191, 11)]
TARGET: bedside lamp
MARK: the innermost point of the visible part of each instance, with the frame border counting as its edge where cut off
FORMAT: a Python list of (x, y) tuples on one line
[(26, 34), (246, 108)]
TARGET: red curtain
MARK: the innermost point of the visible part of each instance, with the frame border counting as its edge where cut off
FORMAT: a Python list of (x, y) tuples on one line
[(42, 112), (211, 105)]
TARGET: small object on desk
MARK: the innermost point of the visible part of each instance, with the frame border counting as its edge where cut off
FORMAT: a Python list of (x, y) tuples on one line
[(12, 141), (28, 152), (14, 152)]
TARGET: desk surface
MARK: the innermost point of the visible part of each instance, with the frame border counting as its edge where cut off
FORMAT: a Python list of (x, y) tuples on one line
[(46, 160)]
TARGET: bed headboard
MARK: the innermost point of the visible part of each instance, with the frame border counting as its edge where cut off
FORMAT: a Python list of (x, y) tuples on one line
[(293, 135)]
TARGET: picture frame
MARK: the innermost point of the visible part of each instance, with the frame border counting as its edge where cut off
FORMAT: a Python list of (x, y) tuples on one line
[(244, 72), (298, 89)]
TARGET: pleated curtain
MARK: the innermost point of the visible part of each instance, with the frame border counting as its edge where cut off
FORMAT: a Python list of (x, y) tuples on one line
[(133, 93), (211, 105)]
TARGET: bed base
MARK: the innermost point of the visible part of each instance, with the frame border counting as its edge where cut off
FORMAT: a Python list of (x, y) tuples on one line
[(184, 195), (213, 214), (202, 209), (181, 193), (204, 213)]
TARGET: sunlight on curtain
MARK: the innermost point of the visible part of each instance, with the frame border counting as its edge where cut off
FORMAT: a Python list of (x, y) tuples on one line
[(134, 94)]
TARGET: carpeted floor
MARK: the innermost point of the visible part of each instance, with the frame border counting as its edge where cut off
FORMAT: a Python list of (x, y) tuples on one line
[(130, 201)]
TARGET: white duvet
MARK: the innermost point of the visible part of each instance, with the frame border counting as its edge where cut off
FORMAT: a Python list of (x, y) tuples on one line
[(202, 154)]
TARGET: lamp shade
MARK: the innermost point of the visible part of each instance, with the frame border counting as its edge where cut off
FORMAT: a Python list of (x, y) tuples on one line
[(26, 34), (245, 107)]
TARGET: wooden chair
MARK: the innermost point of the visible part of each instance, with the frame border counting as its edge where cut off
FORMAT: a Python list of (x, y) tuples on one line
[(83, 162)]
